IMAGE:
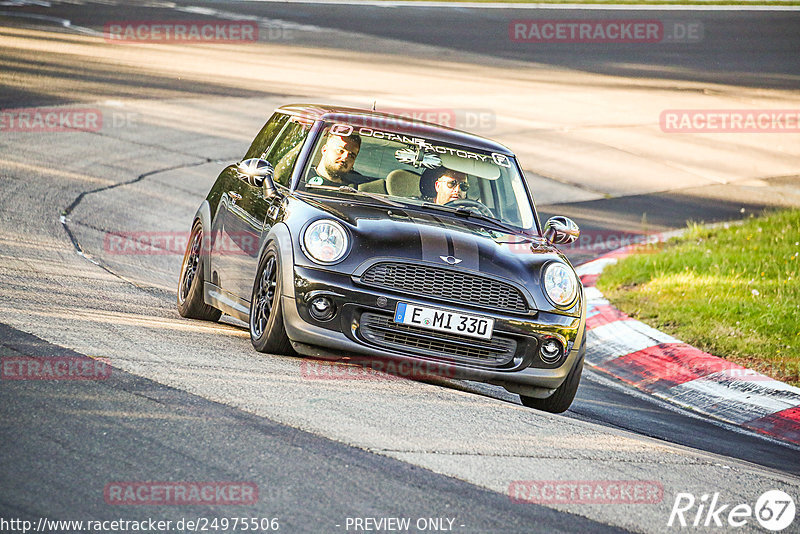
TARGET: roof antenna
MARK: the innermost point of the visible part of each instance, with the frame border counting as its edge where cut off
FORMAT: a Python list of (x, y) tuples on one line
[(373, 104)]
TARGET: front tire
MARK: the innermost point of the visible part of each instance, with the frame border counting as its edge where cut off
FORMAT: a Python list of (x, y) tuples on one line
[(267, 331), (563, 396), (191, 303)]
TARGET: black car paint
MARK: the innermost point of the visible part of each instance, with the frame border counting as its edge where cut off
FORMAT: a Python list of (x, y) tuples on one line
[(380, 230)]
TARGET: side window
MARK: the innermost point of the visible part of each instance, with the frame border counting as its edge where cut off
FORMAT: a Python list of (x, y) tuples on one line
[(267, 134), (285, 150)]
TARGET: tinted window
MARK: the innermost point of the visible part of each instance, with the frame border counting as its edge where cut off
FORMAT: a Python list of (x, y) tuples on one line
[(404, 166), (285, 150), (265, 137)]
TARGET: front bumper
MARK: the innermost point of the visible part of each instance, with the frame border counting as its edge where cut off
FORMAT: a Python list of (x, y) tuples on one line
[(362, 331)]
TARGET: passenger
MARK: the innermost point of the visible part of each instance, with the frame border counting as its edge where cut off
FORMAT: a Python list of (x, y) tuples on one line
[(442, 185), (336, 165)]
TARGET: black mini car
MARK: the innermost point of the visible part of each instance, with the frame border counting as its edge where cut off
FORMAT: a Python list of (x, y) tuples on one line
[(346, 233)]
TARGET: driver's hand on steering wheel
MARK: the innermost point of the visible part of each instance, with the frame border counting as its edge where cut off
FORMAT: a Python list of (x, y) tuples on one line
[(474, 205)]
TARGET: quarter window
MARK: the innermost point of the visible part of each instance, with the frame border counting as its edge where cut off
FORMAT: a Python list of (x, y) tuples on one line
[(285, 150), (266, 136)]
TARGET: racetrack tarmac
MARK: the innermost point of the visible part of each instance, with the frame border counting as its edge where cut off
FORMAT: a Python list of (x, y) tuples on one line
[(192, 401)]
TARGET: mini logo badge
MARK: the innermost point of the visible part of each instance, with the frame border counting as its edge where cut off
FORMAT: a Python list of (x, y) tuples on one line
[(450, 260)]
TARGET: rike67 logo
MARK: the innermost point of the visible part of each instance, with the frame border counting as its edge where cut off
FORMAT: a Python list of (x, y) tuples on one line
[(774, 510)]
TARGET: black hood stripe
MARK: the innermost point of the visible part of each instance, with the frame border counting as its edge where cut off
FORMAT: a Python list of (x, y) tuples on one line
[(433, 243), (466, 249), (448, 242), (461, 244)]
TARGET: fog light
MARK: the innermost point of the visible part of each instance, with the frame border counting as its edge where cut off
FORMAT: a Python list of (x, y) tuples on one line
[(322, 308), (550, 350)]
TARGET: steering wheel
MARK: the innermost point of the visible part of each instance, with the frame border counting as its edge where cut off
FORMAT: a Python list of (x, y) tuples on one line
[(469, 203)]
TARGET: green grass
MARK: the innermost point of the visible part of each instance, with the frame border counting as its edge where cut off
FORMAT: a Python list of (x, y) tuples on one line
[(731, 291)]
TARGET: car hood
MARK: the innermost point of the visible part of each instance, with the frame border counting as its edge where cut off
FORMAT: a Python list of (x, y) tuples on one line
[(436, 238)]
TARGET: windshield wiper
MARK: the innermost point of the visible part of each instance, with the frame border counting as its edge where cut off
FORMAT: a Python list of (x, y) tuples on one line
[(379, 198), (467, 212), (353, 191), (461, 210)]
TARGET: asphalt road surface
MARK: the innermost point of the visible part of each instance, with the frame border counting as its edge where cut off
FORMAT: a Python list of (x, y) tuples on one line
[(193, 402)]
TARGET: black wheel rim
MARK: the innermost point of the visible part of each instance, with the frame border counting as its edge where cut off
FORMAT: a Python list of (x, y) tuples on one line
[(264, 299), (192, 263)]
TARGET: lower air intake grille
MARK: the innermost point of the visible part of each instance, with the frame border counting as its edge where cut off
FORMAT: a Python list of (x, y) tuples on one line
[(381, 330)]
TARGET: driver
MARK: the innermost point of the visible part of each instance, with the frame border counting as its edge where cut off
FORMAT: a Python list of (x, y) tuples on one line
[(442, 185), (336, 166)]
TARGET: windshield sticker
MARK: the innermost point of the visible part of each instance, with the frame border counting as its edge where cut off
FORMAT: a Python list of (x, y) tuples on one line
[(342, 130), (501, 159), (418, 158), (390, 136), (317, 180)]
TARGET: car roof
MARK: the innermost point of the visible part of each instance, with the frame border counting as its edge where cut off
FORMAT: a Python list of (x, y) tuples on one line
[(395, 123)]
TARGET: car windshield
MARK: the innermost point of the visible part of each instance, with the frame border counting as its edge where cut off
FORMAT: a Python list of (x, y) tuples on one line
[(422, 173)]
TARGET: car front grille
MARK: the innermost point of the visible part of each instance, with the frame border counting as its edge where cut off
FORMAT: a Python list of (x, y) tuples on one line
[(446, 284), (383, 331)]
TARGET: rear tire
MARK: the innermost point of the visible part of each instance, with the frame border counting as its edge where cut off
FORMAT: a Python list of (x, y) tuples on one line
[(563, 396), (267, 331), (191, 303)]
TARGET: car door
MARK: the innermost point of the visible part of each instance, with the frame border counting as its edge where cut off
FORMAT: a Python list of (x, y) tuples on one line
[(253, 213), (228, 242)]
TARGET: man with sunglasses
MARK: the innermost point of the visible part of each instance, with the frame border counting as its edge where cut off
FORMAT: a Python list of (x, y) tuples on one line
[(444, 185)]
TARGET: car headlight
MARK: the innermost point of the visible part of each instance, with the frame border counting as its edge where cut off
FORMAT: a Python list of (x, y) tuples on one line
[(560, 284), (325, 241)]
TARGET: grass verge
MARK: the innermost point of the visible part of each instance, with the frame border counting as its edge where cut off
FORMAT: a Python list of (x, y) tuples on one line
[(732, 291)]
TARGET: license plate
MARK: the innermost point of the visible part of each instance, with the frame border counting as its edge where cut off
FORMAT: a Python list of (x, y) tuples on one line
[(444, 321)]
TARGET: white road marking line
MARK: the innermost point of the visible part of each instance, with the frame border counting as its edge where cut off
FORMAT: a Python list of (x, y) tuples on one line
[(743, 400), (129, 319), (621, 338), (595, 267), (66, 23)]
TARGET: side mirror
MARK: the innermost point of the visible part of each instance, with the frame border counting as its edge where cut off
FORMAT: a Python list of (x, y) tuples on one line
[(257, 172), (561, 230)]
